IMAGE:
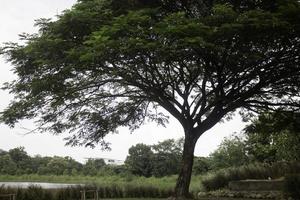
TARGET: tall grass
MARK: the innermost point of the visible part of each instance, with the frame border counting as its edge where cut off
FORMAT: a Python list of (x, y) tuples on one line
[(221, 178), (110, 186), (122, 181), (74, 193)]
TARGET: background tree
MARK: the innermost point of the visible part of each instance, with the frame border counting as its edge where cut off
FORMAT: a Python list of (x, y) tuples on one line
[(202, 165), (139, 160), (2, 152), (166, 158), (231, 152), (22, 160), (73, 167), (274, 137), (7, 165), (105, 64), (57, 165), (39, 164), (92, 166)]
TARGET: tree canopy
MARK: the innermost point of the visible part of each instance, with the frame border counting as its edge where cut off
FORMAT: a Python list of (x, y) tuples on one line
[(106, 63), (162, 159), (139, 160), (274, 137)]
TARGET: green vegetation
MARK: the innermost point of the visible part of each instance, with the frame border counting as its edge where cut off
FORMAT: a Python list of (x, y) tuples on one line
[(109, 180), (148, 168), (274, 136), (162, 159), (221, 178), (74, 193), (270, 138), (106, 64), (230, 153), (17, 162), (108, 186)]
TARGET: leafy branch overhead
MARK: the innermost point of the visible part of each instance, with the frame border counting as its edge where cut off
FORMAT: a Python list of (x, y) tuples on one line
[(106, 63), (95, 69)]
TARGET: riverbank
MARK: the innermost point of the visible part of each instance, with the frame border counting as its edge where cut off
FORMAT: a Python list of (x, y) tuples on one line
[(37, 184), (109, 180)]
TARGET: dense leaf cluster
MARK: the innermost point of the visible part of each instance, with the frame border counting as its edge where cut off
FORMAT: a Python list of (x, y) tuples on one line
[(105, 64), (162, 159), (17, 162), (270, 138), (273, 137)]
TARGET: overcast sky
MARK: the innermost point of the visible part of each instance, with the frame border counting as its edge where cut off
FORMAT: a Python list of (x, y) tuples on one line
[(17, 16)]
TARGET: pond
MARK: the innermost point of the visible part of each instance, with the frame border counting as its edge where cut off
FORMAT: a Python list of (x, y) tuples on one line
[(38, 184)]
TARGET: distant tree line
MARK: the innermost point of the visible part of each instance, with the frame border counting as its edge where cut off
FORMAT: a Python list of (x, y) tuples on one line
[(158, 160), (269, 138), (17, 162)]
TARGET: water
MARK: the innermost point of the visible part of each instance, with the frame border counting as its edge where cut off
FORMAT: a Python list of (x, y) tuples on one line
[(38, 184)]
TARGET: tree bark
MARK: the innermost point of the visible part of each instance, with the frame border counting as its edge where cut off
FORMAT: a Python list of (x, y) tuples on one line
[(184, 178)]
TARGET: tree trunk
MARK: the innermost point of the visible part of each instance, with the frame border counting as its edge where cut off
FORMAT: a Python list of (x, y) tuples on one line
[(184, 179)]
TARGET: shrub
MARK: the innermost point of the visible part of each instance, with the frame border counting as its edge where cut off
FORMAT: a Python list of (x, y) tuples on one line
[(221, 178), (292, 185)]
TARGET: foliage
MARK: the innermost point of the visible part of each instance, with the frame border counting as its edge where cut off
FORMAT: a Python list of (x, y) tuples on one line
[(221, 178), (162, 159), (274, 137), (107, 63), (271, 137), (22, 160), (2, 152), (231, 153), (7, 165), (84, 52), (202, 165), (93, 166), (39, 164), (166, 158), (292, 185), (17, 161), (139, 160)]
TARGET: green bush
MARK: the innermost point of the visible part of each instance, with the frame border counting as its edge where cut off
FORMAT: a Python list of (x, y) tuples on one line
[(221, 178), (292, 186)]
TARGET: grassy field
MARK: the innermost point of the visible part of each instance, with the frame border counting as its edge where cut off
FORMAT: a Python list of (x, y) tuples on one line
[(163, 183)]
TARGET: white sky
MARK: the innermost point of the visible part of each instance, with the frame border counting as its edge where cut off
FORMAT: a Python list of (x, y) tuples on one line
[(17, 16)]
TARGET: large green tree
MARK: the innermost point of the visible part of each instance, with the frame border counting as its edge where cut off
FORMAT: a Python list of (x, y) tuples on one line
[(139, 160), (274, 137), (7, 165), (109, 63), (93, 166), (22, 160), (166, 157)]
